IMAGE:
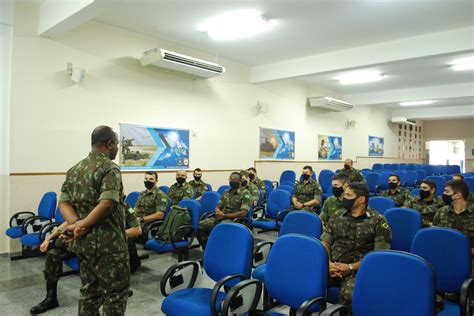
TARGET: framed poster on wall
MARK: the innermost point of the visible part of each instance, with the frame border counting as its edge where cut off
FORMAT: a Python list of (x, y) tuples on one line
[(329, 147), (376, 145), (276, 144)]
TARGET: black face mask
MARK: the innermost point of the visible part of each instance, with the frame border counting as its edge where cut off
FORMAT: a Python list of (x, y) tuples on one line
[(347, 167), (424, 194), (337, 191), (244, 183), (251, 176), (447, 199), (149, 185), (180, 180), (305, 176), (234, 184), (348, 204), (197, 178), (392, 185)]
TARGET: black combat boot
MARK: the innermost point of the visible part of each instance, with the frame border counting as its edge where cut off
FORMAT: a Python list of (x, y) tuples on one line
[(51, 300)]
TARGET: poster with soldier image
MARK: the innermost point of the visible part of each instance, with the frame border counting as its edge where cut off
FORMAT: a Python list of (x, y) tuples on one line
[(276, 144), (329, 147), (375, 146), (151, 148)]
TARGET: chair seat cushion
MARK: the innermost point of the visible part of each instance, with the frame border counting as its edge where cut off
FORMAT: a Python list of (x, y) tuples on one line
[(14, 232), (259, 272), (262, 224), (30, 240), (162, 247), (72, 263), (191, 302), (450, 309)]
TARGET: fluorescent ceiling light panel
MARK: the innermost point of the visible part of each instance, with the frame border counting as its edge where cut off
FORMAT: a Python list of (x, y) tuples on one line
[(413, 103), (463, 64), (236, 24), (359, 77)]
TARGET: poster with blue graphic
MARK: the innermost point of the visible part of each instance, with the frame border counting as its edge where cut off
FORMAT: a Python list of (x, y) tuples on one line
[(330, 147), (277, 144), (375, 146), (152, 148)]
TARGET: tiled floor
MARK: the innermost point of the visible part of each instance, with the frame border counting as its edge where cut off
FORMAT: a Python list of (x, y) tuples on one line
[(22, 285)]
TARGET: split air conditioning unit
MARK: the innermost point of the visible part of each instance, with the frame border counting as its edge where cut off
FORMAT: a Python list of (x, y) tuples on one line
[(181, 63), (329, 104), (403, 120)]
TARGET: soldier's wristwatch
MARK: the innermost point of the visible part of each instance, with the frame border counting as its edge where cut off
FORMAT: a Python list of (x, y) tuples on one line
[(351, 268)]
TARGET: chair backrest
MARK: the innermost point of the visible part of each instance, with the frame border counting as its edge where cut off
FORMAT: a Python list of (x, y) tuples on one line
[(47, 205), (381, 203), (228, 251), (454, 169), (58, 217), (387, 166), (287, 183), (373, 180), (303, 223), (209, 187), (470, 183), (194, 211), (447, 177), (209, 201), (404, 224), (222, 189), (288, 175), (415, 192), (269, 186), (326, 181), (377, 166), (384, 179), (164, 188), (402, 166), (393, 283), (279, 200), (410, 167), (132, 198), (429, 169), (293, 276), (411, 178), (440, 182), (420, 175), (313, 176), (323, 172), (287, 188), (403, 177), (449, 252)]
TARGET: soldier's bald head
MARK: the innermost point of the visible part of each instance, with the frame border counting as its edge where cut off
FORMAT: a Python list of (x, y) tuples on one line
[(101, 135)]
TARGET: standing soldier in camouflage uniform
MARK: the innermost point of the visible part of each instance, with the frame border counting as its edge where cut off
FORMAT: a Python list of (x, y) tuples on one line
[(307, 193), (395, 192), (151, 203), (249, 186), (426, 203), (197, 184), (256, 180), (353, 174), (349, 235), (90, 203), (233, 204), (181, 189), (458, 212), (334, 203)]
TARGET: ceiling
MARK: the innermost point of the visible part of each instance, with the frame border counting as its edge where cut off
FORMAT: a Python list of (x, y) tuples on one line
[(438, 103), (304, 27)]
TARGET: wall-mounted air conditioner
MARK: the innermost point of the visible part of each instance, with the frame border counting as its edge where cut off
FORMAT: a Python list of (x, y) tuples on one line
[(403, 120), (329, 104)]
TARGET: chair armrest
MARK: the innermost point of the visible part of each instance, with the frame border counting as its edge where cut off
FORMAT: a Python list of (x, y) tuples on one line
[(258, 211), (207, 215), (18, 219), (378, 189), (150, 228), (36, 223), (189, 236), (182, 275), (338, 308), (304, 309), (47, 229), (260, 254), (280, 217), (242, 220), (466, 297), (242, 298), (221, 283)]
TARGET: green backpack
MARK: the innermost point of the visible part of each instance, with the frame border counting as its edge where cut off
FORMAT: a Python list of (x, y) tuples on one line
[(177, 216)]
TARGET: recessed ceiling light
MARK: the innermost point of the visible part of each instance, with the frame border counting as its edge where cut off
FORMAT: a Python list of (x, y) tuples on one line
[(359, 77), (413, 103), (463, 64), (236, 24)]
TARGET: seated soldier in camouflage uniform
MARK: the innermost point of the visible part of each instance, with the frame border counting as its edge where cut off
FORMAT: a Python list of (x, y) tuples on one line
[(249, 186), (426, 203), (256, 180), (234, 203), (350, 234), (197, 184), (461, 177), (181, 189), (151, 204), (307, 192), (333, 203), (395, 192), (457, 213), (354, 174)]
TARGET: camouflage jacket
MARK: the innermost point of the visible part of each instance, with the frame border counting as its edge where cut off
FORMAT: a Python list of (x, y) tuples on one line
[(399, 197), (151, 202), (354, 175), (235, 200), (199, 187), (427, 209), (351, 238), (260, 185), (305, 192), (331, 205), (254, 191), (179, 192), (464, 222), (93, 179)]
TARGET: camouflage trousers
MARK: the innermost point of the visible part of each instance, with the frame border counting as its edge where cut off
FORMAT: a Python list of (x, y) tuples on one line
[(346, 288), (54, 260), (205, 228), (105, 281)]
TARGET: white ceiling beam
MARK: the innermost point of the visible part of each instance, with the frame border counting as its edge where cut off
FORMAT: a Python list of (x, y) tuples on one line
[(447, 42), (427, 113), (57, 17)]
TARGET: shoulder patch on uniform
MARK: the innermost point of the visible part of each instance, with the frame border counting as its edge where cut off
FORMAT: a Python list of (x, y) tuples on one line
[(131, 210), (385, 225), (247, 196)]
